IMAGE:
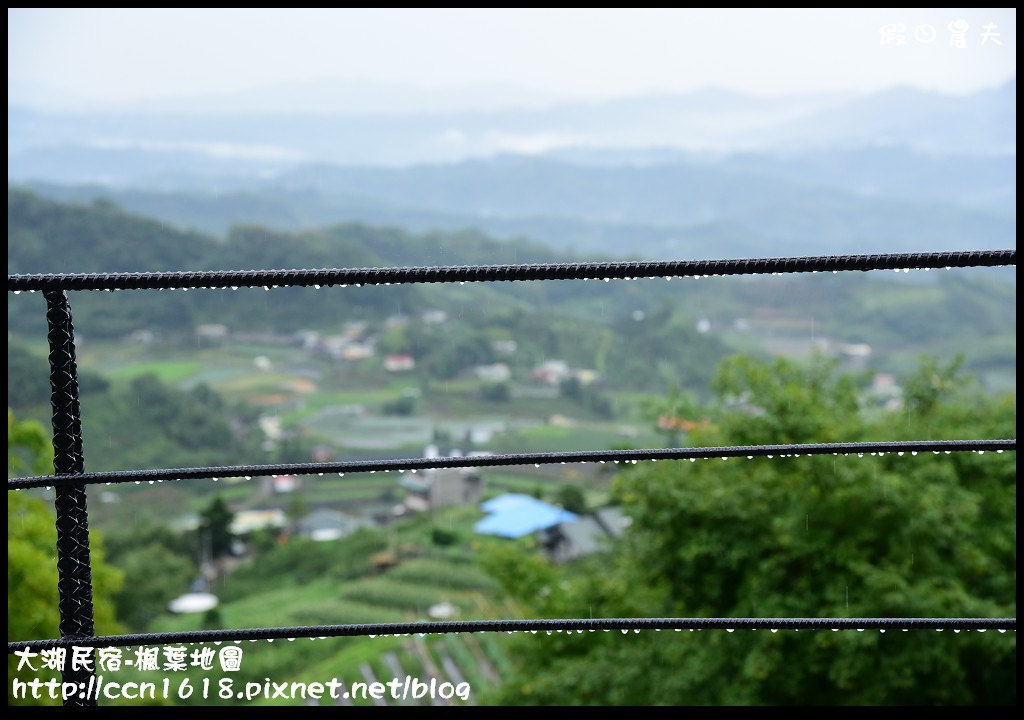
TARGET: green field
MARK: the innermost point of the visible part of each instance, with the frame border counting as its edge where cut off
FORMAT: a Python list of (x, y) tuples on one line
[(169, 371)]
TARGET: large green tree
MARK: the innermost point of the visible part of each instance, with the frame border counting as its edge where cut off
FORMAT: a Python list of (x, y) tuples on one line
[(890, 536)]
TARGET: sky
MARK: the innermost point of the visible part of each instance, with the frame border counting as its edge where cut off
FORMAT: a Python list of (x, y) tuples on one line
[(62, 59)]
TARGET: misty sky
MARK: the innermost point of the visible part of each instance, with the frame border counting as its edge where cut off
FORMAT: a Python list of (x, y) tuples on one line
[(82, 58)]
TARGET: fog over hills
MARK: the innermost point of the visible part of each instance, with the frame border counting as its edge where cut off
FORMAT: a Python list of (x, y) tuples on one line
[(704, 174)]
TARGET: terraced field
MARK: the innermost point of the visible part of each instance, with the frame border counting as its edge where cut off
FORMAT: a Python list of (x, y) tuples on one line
[(404, 593)]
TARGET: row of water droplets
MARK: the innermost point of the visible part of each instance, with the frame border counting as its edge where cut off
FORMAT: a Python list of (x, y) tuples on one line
[(569, 631), (317, 286), (628, 461)]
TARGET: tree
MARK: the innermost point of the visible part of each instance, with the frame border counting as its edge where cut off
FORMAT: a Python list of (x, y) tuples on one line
[(296, 509), (158, 566), (28, 447), (925, 536), (32, 556), (215, 527), (496, 392), (571, 498)]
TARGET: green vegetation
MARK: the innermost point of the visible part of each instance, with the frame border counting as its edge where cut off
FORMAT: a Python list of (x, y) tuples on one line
[(572, 498), (215, 527), (302, 582), (458, 576), (588, 325), (168, 371), (141, 422), (32, 558), (886, 536), (302, 561), (927, 536)]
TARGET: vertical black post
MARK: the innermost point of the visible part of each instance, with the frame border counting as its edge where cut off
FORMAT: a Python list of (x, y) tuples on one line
[(74, 571)]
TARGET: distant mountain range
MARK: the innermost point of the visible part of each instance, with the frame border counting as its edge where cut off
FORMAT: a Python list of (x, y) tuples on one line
[(707, 174), (866, 200)]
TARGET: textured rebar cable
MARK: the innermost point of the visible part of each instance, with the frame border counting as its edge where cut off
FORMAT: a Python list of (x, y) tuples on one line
[(72, 519), (546, 625), (495, 273), (550, 458), (74, 571)]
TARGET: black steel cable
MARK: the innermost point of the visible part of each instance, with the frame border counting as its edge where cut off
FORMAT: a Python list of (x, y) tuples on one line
[(550, 458), (494, 273), (71, 482), (74, 569), (546, 625)]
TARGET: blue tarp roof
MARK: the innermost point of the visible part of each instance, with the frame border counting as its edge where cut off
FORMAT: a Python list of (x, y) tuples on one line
[(513, 515)]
